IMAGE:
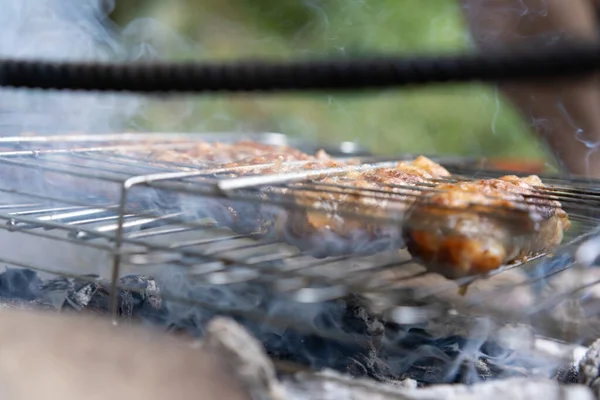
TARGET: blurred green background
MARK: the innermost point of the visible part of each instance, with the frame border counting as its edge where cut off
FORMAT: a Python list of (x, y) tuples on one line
[(463, 120)]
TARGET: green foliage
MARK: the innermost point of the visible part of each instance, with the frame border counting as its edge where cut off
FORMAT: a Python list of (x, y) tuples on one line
[(467, 120)]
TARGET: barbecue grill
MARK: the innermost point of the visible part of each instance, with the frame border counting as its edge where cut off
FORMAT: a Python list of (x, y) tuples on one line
[(101, 209), (120, 223)]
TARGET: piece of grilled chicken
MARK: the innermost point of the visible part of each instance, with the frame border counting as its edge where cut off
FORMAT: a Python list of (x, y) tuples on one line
[(474, 227), (347, 213), (257, 216), (205, 154)]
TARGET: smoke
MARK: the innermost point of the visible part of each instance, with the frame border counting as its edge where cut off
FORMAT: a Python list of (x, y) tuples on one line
[(81, 30), (579, 135), (73, 30), (562, 114), (345, 336)]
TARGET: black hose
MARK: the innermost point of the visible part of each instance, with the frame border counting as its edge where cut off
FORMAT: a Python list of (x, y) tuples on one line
[(348, 74)]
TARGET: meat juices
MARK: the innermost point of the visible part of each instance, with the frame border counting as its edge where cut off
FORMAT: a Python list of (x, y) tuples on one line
[(475, 227)]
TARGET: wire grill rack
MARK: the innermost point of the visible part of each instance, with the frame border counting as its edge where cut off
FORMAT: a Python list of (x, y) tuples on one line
[(93, 209)]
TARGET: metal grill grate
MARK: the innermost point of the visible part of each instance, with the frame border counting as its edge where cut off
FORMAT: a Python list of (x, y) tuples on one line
[(100, 211)]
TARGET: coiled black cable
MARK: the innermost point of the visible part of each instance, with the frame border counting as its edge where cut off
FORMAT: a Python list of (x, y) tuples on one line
[(558, 61)]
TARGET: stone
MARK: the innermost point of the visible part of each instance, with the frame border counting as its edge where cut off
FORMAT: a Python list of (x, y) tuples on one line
[(74, 357), (245, 358)]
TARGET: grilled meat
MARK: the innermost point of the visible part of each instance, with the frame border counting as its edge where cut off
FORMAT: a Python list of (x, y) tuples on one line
[(242, 159), (474, 227), (212, 154), (258, 217), (331, 217)]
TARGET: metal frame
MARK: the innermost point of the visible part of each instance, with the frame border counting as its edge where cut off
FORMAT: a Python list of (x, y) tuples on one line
[(84, 224)]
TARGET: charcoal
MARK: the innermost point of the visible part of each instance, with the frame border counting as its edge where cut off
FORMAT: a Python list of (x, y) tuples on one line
[(315, 351), (427, 369), (19, 289), (16, 283), (70, 293), (358, 357), (144, 298), (370, 365), (358, 319), (384, 352), (589, 368), (289, 344), (568, 374), (442, 360), (23, 288), (142, 301)]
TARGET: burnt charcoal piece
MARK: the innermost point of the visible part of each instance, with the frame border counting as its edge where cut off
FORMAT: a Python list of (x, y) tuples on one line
[(366, 347), (589, 368), (16, 283), (19, 288), (443, 360), (358, 319), (142, 301), (370, 365), (350, 316), (145, 290), (317, 352), (71, 293), (568, 374)]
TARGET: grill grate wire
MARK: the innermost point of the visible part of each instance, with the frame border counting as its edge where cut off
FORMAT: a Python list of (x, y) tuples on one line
[(143, 237)]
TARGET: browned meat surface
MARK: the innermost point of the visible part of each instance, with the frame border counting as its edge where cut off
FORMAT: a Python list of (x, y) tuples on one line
[(467, 228), (480, 226), (206, 153), (331, 217), (197, 154), (277, 163), (258, 217)]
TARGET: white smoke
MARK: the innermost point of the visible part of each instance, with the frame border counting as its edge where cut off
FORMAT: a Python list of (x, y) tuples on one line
[(58, 30)]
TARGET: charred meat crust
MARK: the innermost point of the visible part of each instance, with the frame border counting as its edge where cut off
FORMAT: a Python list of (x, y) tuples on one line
[(215, 153), (474, 227)]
